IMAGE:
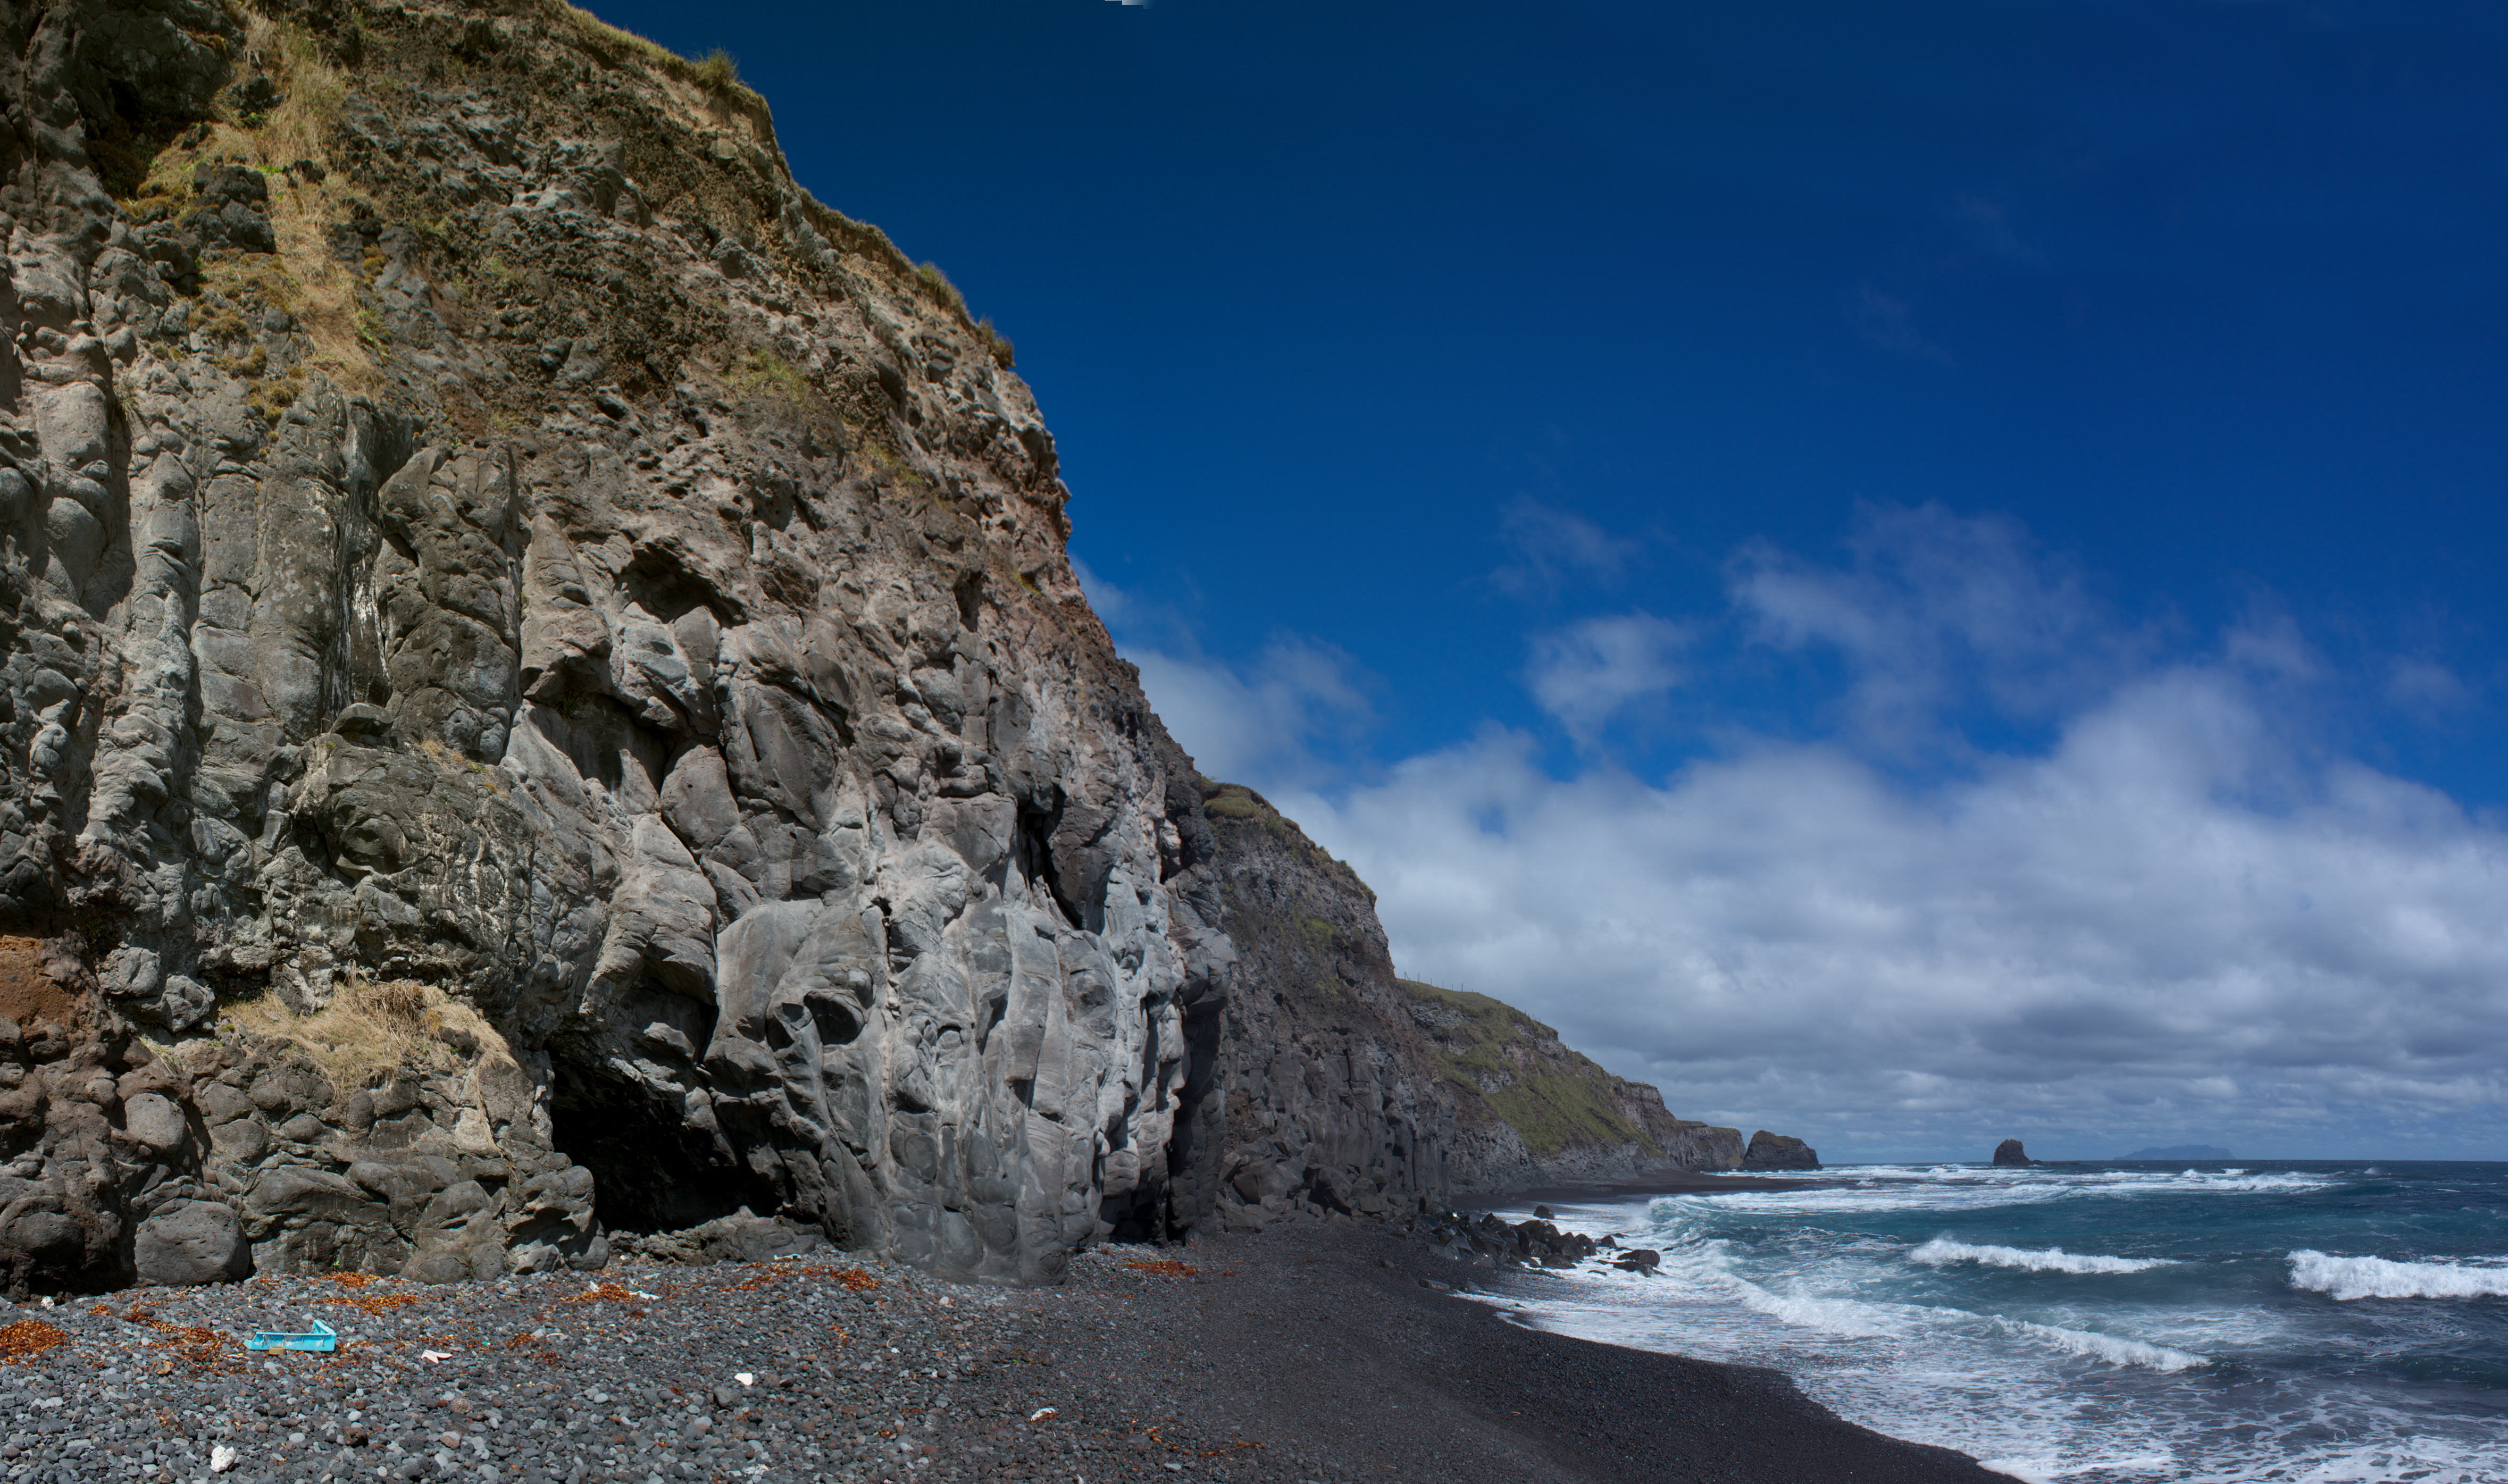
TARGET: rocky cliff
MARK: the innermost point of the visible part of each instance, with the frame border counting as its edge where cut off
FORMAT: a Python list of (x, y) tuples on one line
[(541, 694), (488, 564), (1351, 1088)]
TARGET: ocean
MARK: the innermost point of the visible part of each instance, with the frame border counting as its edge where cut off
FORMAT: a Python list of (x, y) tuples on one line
[(2107, 1324)]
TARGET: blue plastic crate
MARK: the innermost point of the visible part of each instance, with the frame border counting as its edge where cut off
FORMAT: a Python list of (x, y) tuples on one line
[(323, 1337)]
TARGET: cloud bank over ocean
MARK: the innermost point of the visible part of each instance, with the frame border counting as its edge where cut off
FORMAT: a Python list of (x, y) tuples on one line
[(2013, 864)]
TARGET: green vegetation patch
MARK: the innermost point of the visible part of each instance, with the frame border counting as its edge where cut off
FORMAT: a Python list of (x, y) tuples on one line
[(1550, 1111), (1485, 1020), (998, 343), (763, 372), (1234, 802), (1550, 1106), (718, 71)]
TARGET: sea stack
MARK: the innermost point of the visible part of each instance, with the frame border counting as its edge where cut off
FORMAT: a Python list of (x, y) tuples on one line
[(2009, 1152), (1779, 1151)]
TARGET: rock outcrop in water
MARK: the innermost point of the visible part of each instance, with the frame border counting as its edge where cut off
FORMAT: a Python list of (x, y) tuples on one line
[(1779, 1151), (540, 692), (2009, 1152)]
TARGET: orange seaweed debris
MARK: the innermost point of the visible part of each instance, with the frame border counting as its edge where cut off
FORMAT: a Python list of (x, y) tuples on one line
[(1165, 1267), (373, 1304), (609, 1291), (26, 1339), (854, 1280), (202, 1349)]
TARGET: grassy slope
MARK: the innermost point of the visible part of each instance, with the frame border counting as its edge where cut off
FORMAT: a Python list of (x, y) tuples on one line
[(1493, 1053)]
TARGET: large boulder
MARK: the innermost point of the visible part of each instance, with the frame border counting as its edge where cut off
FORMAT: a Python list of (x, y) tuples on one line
[(188, 1243)]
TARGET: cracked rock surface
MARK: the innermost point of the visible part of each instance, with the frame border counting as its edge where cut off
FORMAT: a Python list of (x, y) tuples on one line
[(487, 562), (545, 715)]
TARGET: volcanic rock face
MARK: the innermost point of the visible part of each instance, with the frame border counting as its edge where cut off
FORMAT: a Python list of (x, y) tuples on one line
[(472, 531), (1779, 1151), (2009, 1152), (542, 696), (1349, 1090), (1334, 1102)]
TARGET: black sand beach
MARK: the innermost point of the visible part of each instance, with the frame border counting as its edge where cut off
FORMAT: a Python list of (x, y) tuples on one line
[(1309, 1352)]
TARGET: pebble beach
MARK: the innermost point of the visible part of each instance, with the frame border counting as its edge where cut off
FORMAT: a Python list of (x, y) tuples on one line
[(1306, 1353)]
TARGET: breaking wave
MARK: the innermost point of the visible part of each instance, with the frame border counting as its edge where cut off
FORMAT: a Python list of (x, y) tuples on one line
[(2115, 1350), (2054, 1259), (2348, 1278)]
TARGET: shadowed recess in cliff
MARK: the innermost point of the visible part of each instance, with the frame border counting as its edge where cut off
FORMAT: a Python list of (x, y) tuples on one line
[(650, 1174)]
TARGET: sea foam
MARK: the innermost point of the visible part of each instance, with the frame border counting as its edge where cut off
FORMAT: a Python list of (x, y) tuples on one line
[(2054, 1259), (2347, 1277), (2115, 1350)]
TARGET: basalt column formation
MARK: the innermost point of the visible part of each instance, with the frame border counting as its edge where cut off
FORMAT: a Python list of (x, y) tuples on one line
[(493, 577)]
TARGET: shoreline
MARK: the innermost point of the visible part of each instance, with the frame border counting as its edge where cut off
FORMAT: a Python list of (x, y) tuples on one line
[(1449, 1378), (1667, 1182), (1310, 1354)]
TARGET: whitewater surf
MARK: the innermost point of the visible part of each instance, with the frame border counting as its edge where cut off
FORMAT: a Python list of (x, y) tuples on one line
[(2119, 1324)]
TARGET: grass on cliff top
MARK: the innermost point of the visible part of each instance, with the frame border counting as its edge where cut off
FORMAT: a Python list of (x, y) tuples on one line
[(1552, 1105), (1238, 804), (368, 1030), (717, 72)]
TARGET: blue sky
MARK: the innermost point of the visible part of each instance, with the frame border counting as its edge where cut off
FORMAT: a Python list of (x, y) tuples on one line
[(1909, 573)]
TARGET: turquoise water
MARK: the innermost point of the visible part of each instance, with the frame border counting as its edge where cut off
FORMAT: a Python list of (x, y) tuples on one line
[(2303, 1320)]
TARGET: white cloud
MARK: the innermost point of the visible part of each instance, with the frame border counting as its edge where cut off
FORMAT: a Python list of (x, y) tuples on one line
[(1987, 227), (1278, 722), (2184, 915), (2077, 946), (1261, 724), (2426, 687), (1553, 548), (1933, 610), (1588, 673)]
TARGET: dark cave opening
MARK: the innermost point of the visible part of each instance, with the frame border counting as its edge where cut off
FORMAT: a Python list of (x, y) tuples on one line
[(650, 1171)]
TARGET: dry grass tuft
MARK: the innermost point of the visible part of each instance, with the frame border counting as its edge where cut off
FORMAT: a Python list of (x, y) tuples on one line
[(718, 71), (371, 1030), (939, 284), (302, 277)]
